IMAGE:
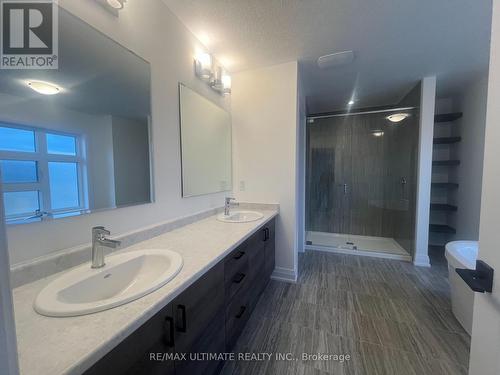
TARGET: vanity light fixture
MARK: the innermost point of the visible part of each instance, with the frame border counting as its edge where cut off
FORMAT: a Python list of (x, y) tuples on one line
[(226, 83), (44, 88), (203, 66), (397, 117), (215, 75)]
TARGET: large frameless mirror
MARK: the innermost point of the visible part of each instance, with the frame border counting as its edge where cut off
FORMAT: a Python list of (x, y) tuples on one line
[(206, 145), (76, 139)]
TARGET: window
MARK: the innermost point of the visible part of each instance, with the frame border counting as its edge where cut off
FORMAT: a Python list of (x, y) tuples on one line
[(42, 171)]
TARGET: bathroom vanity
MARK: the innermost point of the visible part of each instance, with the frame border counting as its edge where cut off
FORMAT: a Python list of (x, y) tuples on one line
[(208, 317), (203, 309)]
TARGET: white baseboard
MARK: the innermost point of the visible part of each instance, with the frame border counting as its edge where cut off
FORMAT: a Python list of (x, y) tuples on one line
[(284, 274), (421, 260)]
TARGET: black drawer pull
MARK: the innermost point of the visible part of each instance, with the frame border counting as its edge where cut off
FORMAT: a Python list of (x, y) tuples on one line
[(238, 255), (168, 329), (238, 278), (241, 312), (181, 318)]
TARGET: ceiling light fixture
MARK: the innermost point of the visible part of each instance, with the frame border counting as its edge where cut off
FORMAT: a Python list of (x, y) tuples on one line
[(112, 6), (336, 59), (44, 88), (378, 133), (115, 4), (397, 117)]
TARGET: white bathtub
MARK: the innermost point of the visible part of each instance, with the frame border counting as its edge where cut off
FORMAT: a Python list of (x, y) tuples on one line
[(461, 254)]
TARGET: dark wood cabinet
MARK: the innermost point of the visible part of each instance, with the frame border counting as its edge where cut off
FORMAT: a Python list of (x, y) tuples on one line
[(208, 317), (133, 355), (199, 322)]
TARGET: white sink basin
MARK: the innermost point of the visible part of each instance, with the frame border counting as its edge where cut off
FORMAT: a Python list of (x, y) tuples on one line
[(240, 217), (125, 277)]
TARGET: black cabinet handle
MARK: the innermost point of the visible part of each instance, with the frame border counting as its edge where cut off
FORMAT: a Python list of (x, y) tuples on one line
[(238, 255), (168, 330), (479, 280), (181, 318), (265, 234), (238, 278), (241, 312)]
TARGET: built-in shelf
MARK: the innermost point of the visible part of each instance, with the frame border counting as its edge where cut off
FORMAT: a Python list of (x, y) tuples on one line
[(445, 163), (445, 185), (446, 140), (443, 207), (441, 228), (447, 117)]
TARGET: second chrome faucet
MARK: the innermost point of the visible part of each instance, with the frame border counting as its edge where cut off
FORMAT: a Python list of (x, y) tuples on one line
[(99, 242)]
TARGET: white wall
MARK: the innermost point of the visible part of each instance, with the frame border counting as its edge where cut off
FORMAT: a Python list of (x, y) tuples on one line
[(485, 343), (264, 109), (426, 137), (469, 151), (155, 34)]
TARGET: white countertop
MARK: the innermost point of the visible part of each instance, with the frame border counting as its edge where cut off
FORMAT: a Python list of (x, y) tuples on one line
[(53, 346)]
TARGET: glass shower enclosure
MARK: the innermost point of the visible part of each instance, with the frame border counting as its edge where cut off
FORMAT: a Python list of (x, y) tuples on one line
[(361, 172)]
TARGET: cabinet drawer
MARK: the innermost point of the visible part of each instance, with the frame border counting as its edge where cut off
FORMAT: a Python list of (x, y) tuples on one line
[(236, 281), (235, 273), (235, 261), (237, 314)]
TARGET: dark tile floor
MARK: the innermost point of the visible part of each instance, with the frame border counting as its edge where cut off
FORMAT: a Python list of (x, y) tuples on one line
[(389, 316)]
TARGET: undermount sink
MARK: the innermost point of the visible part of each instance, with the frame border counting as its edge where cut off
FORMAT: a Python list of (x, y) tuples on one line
[(125, 277), (240, 217)]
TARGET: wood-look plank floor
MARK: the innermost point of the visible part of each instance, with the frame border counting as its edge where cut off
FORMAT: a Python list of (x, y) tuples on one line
[(389, 316)]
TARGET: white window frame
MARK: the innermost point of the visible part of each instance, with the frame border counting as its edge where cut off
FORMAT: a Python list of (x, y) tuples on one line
[(42, 159)]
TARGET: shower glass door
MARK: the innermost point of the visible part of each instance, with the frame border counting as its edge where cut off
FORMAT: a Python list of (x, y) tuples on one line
[(361, 181)]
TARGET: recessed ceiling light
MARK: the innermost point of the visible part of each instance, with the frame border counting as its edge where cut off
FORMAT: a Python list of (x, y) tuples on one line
[(350, 102), (44, 88), (398, 117), (116, 4)]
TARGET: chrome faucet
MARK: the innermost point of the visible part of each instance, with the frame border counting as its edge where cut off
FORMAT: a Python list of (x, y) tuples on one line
[(99, 242), (227, 205)]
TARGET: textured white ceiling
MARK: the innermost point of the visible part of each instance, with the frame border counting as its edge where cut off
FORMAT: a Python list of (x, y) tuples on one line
[(396, 42)]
